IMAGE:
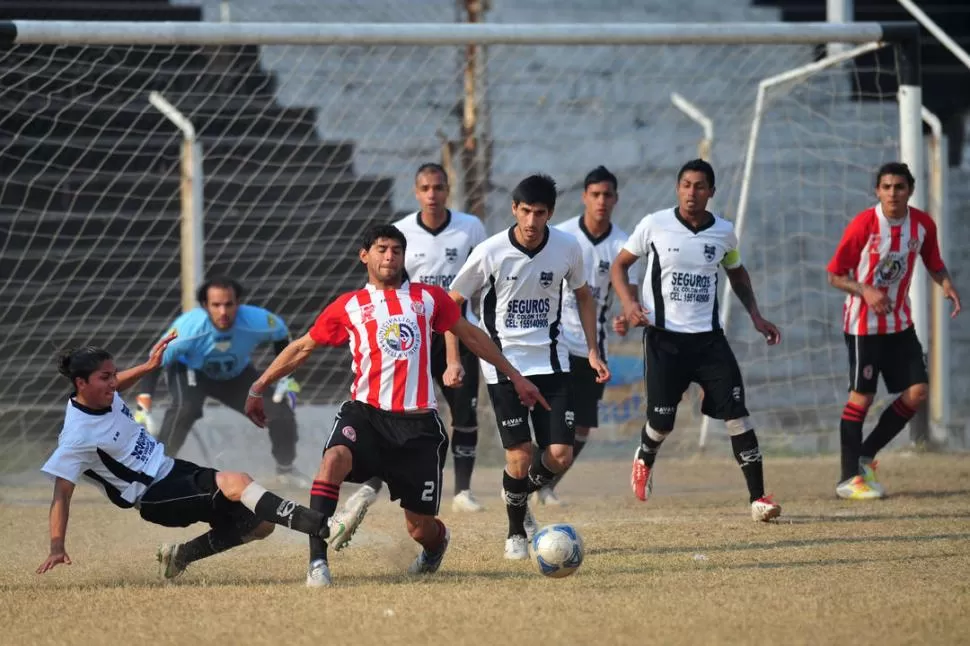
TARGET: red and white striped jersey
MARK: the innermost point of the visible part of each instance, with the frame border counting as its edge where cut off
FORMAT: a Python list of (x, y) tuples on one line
[(389, 332), (882, 252)]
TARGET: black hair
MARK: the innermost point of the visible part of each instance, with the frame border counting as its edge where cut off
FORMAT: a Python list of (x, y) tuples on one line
[(697, 166), (431, 167), (536, 189), (222, 282), (598, 175), (81, 362), (896, 168), (379, 231)]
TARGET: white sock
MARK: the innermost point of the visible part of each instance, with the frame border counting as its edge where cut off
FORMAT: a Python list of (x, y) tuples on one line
[(251, 495)]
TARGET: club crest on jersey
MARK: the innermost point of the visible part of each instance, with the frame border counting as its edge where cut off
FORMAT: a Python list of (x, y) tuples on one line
[(451, 253), (709, 252), (604, 266), (417, 307), (222, 346), (398, 337), (890, 270), (367, 313), (545, 278), (913, 244)]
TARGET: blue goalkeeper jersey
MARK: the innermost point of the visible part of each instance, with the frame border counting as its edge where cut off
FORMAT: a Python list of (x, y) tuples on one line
[(222, 354)]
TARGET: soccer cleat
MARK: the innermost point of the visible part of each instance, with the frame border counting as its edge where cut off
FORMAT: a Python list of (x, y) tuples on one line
[(641, 478), (517, 548), (530, 524), (290, 476), (318, 574), (764, 509), (428, 563), (856, 488), (548, 496), (465, 501), (345, 522), (170, 566), (869, 477)]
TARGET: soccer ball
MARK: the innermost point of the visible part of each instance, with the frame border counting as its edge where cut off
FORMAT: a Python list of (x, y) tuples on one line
[(558, 550)]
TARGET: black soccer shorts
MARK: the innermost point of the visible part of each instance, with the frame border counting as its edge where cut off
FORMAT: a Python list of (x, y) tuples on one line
[(557, 426), (898, 357), (586, 393)]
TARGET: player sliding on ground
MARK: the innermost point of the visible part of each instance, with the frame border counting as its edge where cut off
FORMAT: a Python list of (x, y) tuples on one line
[(102, 442), (390, 428), (683, 341)]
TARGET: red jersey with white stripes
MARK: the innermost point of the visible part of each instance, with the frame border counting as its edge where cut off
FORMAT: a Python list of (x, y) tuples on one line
[(883, 253), (389, 332)]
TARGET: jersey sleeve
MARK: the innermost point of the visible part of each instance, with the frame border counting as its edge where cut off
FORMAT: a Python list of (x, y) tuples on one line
[(576, 274), (446, 311), (732, 255), (187, 328), (849, 251), (331, 325), (68, 462), (639, 241), (276, 329), (478, 234), (930, 251), (472, 276)]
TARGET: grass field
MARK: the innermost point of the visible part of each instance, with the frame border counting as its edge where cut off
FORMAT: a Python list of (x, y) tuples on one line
[(690, 567)]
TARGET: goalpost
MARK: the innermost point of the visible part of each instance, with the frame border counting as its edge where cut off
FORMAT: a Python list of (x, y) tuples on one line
[(310, 132)]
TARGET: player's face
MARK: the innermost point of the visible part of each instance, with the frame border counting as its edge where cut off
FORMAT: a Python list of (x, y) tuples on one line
[(893, 192), (98, 390), (531, 221), (384, 260), (431, 190), (222, 305), (693, 192), (600, 200)]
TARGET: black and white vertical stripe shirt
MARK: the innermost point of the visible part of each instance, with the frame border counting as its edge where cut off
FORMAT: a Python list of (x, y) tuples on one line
[(522, 297), (110, 449)]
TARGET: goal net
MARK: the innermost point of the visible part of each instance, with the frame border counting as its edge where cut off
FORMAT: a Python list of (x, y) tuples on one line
[(306, 145)]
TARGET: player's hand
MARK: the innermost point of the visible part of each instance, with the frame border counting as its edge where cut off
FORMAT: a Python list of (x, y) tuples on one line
[(286, 388), (950, 294), (600, 367), (55, 558), (254, 409), (877, 299), (454, 375), (620, 325), (143, 414), (635, 314), (155, 356), (767, 329), (529, 393)]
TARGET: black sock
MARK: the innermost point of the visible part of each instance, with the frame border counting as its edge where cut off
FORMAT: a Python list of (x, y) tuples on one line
[(649, 446), (267, 506), (463, 443), (206, 545), (850, 430), (578, 445), (516, 498), (748, 455), (890, 423), (539, 474), (323, 499)]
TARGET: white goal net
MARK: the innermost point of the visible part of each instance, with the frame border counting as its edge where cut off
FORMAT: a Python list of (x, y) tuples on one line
[(306, 145)]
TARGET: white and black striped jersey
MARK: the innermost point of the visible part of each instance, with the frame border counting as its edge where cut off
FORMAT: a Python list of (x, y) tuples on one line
[(522, 299), (109, 448), (434, 256), (681, 282), (598, 256)]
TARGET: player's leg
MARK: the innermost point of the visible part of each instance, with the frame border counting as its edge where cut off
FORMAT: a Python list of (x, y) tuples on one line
[(864, 364), (668, 369), (463, 404), (719, 376), (512, 419), (555, 431), (903, 368), (187, 396)]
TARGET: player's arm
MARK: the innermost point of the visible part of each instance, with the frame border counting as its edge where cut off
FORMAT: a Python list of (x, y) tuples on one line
[(128, 378), (470, 279), (636, 246), (575, 279), (60, 510), (289, 359), (844, 262), (279, 334), (741, 286), (933, 259)]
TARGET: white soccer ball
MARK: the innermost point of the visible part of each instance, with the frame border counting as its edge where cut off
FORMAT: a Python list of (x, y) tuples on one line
[(557, 550)]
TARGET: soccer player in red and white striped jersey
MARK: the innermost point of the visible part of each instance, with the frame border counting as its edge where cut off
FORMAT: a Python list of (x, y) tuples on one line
[(390, 427), (874, 265)]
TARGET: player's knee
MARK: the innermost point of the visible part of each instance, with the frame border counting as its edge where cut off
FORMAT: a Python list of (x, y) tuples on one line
[(917, 394), (739, 426), (662, 418), (517, 459), (337, 459), (559, 457), (232, 483), (862, 400)]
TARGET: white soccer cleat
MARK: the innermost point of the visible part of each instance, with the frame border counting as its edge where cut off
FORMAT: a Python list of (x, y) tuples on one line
[(764, 509), (465, 501), (548, 496), (318, 574), (428, 563), (517, 548), (345, 522), (530, 524), (170, 566)]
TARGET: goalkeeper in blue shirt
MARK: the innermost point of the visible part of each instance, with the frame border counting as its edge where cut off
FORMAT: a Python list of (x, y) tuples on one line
[(211, 357)]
